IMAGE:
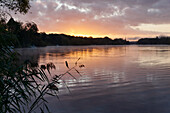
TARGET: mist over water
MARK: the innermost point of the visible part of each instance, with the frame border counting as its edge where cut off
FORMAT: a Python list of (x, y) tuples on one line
[(116, 79)]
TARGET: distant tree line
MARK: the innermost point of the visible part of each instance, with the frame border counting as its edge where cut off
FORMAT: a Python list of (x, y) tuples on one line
[(157, 40), (26, 35), (62, 39)]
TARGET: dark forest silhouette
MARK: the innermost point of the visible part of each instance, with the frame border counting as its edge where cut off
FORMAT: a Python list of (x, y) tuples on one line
[(157, 40), (26, 35)]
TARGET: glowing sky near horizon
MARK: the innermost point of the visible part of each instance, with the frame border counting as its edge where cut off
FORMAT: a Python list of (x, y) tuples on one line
[(113, 18)]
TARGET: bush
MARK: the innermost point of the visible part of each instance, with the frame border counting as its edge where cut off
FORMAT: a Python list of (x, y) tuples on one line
[(25, 85)]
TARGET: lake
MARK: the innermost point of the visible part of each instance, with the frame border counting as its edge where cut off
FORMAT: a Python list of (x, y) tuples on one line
[(115, 79)]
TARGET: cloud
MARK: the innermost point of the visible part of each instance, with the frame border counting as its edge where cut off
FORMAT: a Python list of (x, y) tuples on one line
[(98, 17)]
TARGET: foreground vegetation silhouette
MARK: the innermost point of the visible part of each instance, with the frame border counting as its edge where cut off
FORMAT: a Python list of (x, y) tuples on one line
[(24, 86)]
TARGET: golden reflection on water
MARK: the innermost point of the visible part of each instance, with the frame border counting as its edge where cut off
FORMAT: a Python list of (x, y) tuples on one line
[(90, 56), (109, 65), (100, 63)]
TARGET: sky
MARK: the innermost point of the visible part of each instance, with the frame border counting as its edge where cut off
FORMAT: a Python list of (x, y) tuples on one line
[(130, 19)]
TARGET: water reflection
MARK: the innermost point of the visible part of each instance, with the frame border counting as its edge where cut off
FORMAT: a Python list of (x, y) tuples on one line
[(152, 56), (134, 77), (103, 62), (100, 61)]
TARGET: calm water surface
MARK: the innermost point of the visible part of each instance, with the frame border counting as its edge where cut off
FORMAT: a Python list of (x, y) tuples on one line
[(116, 79)]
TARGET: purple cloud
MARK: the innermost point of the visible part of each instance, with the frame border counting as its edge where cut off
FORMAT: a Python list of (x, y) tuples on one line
[(98, 17)]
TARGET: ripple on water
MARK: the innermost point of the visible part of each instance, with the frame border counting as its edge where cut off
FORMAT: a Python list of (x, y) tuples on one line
[(116, 79)]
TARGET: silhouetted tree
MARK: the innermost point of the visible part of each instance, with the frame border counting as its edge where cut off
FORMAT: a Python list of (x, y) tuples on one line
[(31, 27), (21, 6)]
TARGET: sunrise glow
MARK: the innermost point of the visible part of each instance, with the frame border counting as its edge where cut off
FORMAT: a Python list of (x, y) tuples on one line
[(116, 19)]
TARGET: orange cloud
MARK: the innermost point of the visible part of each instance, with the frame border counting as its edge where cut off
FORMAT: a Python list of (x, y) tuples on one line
[(96, 18)]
